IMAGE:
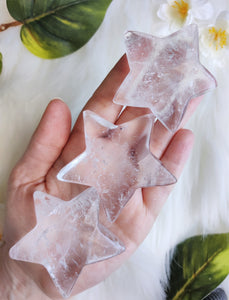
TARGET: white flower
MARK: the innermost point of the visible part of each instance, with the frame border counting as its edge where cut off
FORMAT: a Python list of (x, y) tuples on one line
[(216, 36), (214, 42), (183, 12)]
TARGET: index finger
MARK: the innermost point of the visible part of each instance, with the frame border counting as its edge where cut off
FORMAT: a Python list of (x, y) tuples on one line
[(101, 103)]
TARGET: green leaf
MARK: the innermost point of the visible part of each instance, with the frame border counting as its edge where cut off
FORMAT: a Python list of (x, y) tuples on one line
[(0, 62), (198, 266), (54, 28)]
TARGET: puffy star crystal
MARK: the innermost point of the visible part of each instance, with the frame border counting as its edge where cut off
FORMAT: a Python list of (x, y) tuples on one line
[(67, 237), (116, 161), (165, 74)]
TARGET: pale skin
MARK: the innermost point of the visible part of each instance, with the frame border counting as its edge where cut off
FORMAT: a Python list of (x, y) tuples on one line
[(52, 146)]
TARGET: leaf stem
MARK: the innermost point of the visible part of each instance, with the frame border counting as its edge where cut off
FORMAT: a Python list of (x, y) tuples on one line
[(182, 291), (5, 26)]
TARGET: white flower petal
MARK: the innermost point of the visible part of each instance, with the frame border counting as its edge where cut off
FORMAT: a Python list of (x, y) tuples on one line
[(189, 18), (203, 12), (198, 3), (170, 2), (162, 12), (222, 20)]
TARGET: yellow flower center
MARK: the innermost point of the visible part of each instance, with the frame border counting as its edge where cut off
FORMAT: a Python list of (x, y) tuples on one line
[(181, 7), (218, 37)]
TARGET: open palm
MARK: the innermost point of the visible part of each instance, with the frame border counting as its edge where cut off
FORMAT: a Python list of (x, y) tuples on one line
[(52, 146)]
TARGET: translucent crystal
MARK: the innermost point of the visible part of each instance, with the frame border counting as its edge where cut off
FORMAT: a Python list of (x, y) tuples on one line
[(165, 73), (116, 161), (67, 236)]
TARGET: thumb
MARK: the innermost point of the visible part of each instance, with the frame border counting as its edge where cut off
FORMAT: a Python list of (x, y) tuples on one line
[(46, 144)]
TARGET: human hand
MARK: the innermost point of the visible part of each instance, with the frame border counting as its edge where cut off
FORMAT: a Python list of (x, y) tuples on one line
[(52, 146)]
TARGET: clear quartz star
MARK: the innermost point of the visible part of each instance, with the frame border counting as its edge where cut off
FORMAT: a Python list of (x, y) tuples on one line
[(165, 74), (67, 237), (116, 161)]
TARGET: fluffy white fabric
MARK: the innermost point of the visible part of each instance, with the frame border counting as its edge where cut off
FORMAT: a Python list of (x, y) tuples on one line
[(199, 203)]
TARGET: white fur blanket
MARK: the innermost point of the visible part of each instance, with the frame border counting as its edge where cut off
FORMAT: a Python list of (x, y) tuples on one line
[(200, 202)]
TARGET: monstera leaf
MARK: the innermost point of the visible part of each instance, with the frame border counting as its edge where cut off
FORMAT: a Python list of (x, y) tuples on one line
[(198, 266), (54, 28)]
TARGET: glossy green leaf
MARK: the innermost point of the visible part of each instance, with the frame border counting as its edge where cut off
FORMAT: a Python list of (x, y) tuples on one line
[(198, 266), (0, 62), (54, 28)]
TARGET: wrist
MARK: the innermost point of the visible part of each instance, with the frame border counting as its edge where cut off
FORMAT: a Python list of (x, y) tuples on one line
[(10, 286), (14, 283), (5, 278)]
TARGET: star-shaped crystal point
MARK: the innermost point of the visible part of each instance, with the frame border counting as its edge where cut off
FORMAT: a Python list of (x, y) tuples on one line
[(116, 161), (67, 237), (165, 74)]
